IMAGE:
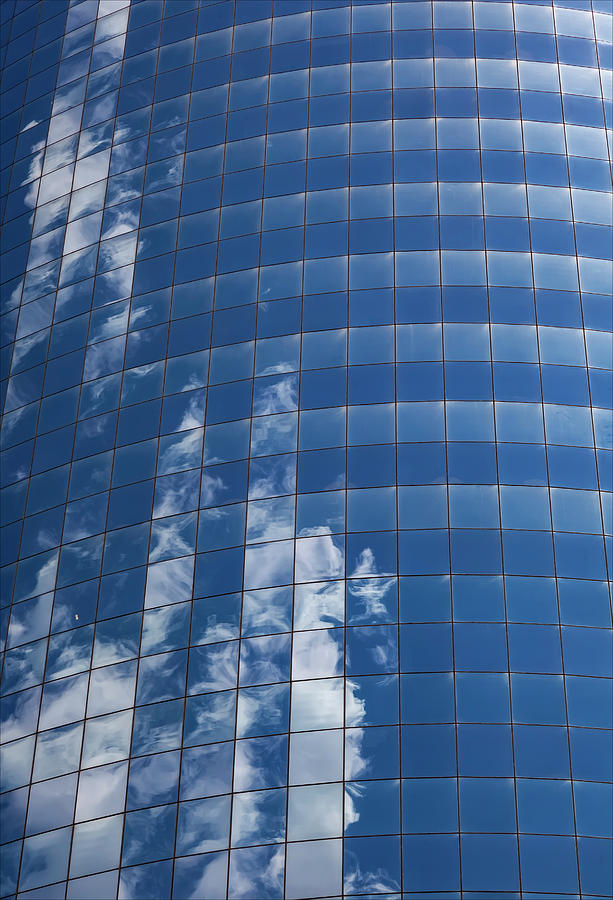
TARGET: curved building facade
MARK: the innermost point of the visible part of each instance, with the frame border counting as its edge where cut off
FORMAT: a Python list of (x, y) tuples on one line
[(306, 449)]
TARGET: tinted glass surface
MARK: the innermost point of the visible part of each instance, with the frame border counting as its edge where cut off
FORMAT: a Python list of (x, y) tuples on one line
[(306, 449)]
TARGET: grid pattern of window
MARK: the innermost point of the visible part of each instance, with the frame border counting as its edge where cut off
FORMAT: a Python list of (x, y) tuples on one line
[(306, 449)]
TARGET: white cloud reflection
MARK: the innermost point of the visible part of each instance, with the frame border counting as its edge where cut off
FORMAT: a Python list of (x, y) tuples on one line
[(254, 868)]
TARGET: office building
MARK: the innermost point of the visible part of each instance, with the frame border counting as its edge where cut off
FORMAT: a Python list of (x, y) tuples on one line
[(306, 449)]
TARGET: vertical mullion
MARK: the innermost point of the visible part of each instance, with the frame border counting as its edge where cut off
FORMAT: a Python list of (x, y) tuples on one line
[(114, 452), (253, 376), (395, 406), (298, 414), (346, 498), (498, 496), (86, 77), (191, 601), (446, 438), (545, 439), (593, 430)]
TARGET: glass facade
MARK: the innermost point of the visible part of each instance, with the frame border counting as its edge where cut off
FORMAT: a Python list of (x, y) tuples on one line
[(306, 449)]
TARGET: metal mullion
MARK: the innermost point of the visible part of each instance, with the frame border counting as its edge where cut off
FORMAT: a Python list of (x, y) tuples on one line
[(502, 556), (555, 555), (606, 133), (8, 24), (20, 120), (291, 658), (589, 386), (452, 624), (43, 154), (35, 434), (4, 198), (256, 302), (59, 548), (259, 416), (105, 532), (303, 630), (397, 505), (607, 139), (149, 522), (347, 367), (18, 307), (191, 612), (555, 575), (114, 117)]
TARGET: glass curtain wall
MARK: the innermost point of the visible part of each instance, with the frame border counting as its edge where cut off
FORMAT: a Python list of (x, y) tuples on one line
[(306, 449)]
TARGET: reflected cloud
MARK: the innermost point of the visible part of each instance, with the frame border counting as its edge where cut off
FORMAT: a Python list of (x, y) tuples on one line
[(110, 322), (50, 216), (270, 520), (91, 168), (82, 232), (314, 869), (315, 811), (365, 565), (316, 756), (353, 793), (116, 252), (101, 791), (274, 434), (355, 762), (355, 710), (258, 817), (193, 415), (267, 565), (63, 701), (60, 154), (319, 605), (69, 652), (101, 359), (114, 285), (52, 186), (256, 869), (213, 488), (123, 220), (16, 762), (272, 475), (175, 494), (68, 96), (265, 659), (87, 200), (317, 654), (63, 124), (172, 537), (275, 396), (169, 582), (373, 881), (45, 248), (260, 763), (262, 710), (213, 667), (19, 714), (267, 611), (201, 876), (107, 739), (179, 452), (57, 751), (31, 619), (35, 316), (111, 688), (373, 600), (320, 557), (203, 825), (317, 704), (37, 580)]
